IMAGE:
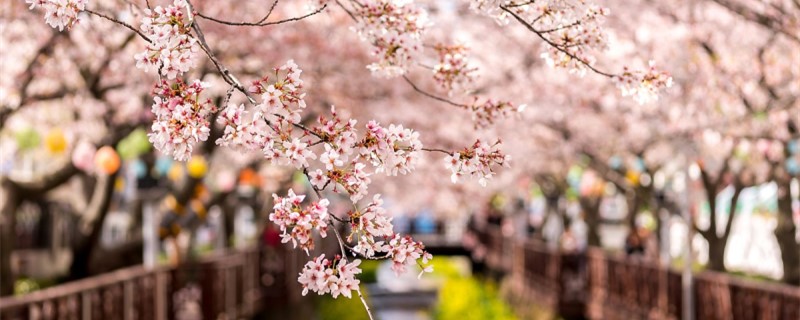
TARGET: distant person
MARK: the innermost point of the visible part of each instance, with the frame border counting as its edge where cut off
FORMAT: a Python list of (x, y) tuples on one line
[(271, 236), (568, 242), (634, 245), (424, 223)]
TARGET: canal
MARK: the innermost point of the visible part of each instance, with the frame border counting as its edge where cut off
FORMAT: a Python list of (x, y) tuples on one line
[(451, 292)]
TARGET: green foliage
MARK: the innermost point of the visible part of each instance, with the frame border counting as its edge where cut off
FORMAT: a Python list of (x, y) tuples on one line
[(369, 271), (28, 285), (329, 308), (467, 298), (24, 286), (752, 276)]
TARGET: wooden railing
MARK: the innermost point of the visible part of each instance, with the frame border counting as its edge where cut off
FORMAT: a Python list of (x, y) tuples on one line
[(601, 285), (622, 288), (224, 286), (720, 296), (498, 248)]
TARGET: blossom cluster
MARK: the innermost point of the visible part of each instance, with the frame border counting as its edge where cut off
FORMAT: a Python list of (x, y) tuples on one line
[(394, 28), (171, 48), (368, 226), (59, 14), (336, 277), (270, 127), (404, 251), (453, 70), (181, 117), (283, 98), (644, 86), (354, 179), (296, 222), (484, 113), (371, 227), (574, 29), (478, 161), (392, 150)]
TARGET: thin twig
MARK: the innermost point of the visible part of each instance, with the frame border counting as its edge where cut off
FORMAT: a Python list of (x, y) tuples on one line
[(349, 13), (555, 45), (262, 23), (432, 96), (437, 150), (364, 302), (104, 16)]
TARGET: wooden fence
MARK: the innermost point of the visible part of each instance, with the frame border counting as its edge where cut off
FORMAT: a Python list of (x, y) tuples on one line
[(600, 285), (222, 286)]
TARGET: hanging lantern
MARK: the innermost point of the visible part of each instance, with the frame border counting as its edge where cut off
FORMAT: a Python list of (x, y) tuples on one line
[(134, 145), (107, 160), (163, 165), (175, 173), (55, 142), (27, 139), (226, 180), (139, 168), (197, 167), (83, 156), (632, 177)]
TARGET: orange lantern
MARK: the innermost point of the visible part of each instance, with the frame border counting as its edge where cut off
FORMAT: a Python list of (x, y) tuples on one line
[(107, 160), (55, 141)]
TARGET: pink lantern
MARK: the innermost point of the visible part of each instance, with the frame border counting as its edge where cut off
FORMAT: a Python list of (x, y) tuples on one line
[(83, 156)]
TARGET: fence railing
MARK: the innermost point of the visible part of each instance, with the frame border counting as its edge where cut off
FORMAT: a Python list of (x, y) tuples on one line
[(601, 285), (222, 286)]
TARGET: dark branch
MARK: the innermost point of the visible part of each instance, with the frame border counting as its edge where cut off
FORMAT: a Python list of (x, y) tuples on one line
[(262, 22)]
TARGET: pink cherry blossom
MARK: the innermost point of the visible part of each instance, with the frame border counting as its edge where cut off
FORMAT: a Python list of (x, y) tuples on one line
[(61, 14), (324, 276), (181, 117), (171, 49), (478, 161), (296, 223), (394, 28)]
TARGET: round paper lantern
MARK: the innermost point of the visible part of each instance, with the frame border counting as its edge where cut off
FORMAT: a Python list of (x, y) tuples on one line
[(139, 168), (107, 160), (55, 142), (83, 156), (175, 173), (197, 167), (27, 139), (134, 145), (226, 180), (163, 165), (632, 177)]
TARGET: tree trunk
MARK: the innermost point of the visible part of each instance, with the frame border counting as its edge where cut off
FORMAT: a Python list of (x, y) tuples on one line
[(785, 233), (86, 244), (591, 211), (634, 203), (716, 254), (717, 243), (228, 216), (8, 225)]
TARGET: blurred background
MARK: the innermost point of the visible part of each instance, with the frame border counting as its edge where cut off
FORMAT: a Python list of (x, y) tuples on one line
[(681, 208)]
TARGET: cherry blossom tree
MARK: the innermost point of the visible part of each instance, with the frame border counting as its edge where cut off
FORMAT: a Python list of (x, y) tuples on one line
[(266, 113)]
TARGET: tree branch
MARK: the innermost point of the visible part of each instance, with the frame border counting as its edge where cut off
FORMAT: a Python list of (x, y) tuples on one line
[(262, 22), (553, 44), (104, 16)]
